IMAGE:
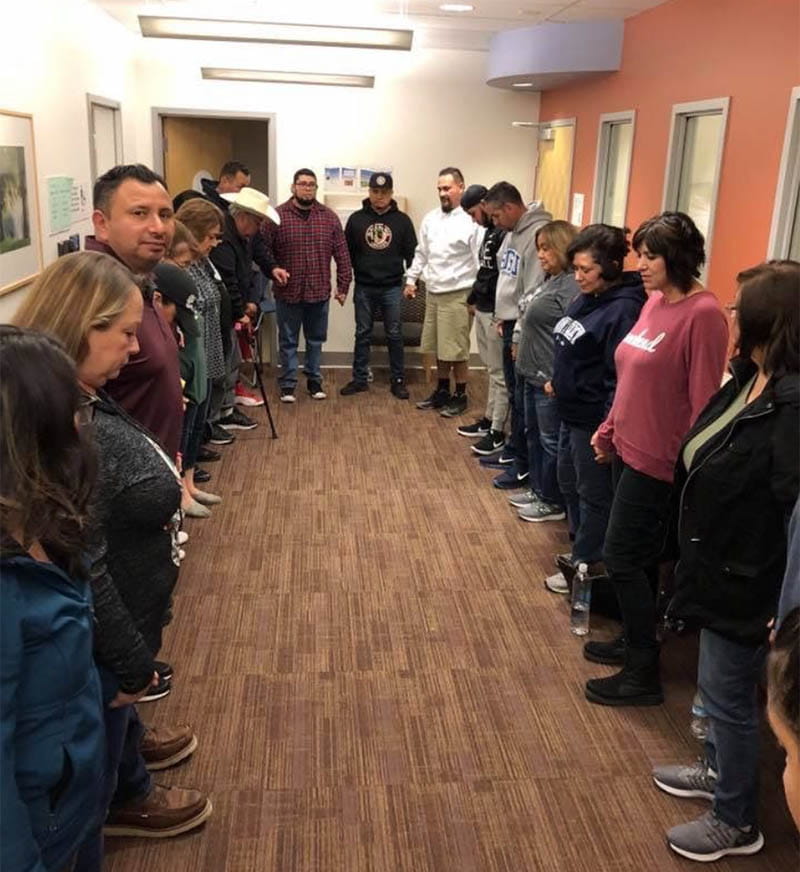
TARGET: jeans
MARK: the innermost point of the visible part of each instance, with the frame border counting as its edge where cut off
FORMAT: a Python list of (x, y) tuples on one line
[(313, 318), (194, 419), (222, 388), (490, 348), (728, 675), (366, 300), (516, 436), (591, 482), (637, 529), (542, 425)]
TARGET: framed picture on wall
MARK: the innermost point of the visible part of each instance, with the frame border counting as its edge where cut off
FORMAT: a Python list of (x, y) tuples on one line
[(20, 232)]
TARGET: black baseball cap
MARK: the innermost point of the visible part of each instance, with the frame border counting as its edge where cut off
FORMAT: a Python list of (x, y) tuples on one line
[(381, 180), (472, 196)]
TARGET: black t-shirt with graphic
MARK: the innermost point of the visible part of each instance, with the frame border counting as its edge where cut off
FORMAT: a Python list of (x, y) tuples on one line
[(380, 246)]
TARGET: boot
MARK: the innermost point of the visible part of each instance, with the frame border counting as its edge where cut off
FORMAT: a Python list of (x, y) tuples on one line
[(637, 684), (611, 653)]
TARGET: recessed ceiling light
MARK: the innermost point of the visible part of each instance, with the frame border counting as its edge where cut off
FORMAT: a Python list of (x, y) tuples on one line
[(156, 26), (456, 7), (288, 78), (522, 85)]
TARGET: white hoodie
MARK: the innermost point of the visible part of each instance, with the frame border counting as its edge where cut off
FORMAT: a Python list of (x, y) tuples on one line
[(447, 252)]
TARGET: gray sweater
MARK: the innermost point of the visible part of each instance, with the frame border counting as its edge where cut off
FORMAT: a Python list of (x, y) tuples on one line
[(539, 312)]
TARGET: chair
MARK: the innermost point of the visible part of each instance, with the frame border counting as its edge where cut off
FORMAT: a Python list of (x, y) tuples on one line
[(412, 316)]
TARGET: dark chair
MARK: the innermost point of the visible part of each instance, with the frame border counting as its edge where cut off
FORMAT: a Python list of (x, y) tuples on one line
[(412, 314)]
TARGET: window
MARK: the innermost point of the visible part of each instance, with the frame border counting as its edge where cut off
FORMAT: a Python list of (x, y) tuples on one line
[(612, 172), (784, 238), (694, 160), (105, 134)]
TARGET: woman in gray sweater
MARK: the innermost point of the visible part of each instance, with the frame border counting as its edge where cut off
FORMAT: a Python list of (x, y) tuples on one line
[(540, 309)]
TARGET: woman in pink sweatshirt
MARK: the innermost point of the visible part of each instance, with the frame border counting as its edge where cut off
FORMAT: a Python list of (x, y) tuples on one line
[(668, 367)]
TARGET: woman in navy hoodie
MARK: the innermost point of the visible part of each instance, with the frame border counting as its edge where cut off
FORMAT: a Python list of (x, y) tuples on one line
[(51, 720), (585, 378)]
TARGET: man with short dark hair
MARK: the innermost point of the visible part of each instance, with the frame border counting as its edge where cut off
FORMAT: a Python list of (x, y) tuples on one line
[(309, 236), (381, 241), (447, 259)]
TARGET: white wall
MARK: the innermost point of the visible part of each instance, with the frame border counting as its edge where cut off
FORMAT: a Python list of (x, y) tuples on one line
[(429, 108)]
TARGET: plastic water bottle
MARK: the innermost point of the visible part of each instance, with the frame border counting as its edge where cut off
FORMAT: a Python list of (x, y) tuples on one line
[(581, 601), (699, 722)]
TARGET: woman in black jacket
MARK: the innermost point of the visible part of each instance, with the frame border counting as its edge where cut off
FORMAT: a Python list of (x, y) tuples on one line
[(737, 477)]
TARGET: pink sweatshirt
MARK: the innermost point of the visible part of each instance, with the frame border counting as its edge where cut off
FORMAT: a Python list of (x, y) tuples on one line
[(668, 367)]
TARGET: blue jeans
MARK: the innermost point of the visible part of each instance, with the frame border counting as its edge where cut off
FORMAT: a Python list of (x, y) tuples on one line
[(516, 426), (313, 318), (728, 675), (578, 470), (366, 300), (542, 425)]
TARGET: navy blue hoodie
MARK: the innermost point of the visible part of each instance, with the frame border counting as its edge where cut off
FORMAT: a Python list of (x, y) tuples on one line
[(584, 375)]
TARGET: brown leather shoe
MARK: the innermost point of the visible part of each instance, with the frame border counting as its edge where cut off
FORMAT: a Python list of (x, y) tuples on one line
[(165, 812), (163, 747)]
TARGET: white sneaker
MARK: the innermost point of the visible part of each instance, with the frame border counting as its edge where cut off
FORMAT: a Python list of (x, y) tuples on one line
[(287, 395), (556, 583), (183, 537)]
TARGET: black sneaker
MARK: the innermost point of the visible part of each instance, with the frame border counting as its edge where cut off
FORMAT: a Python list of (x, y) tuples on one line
[(220, 436), (164, 669), (315, 390), (237, 421), (493, 441), (207, 455), (353, 387), (437, 400), (472, 431), (158, 691), (201, 476), (457, 406), (399, 389), (287, 395)]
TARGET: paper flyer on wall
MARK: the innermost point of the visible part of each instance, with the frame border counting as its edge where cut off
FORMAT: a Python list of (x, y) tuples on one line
[(349, 178)]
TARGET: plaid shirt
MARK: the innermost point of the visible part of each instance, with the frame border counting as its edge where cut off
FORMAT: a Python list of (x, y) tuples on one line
[(304, 247)]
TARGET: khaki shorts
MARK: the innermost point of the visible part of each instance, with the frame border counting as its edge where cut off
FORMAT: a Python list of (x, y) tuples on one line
[(445, 331)]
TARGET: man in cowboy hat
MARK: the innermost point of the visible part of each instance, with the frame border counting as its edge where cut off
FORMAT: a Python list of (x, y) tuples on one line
[(249, 209)]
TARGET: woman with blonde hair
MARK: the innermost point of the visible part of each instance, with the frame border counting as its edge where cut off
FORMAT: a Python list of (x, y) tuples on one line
[(92, 304)]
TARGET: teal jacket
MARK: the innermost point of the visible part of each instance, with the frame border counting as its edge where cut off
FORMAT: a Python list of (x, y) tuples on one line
[(52, 741)]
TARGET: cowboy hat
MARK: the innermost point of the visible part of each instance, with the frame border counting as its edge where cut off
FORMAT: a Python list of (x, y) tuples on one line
[(253, 201)]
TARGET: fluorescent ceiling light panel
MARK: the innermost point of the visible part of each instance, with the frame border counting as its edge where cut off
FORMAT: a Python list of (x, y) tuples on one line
[(522, 85), (160, 27), (524, 124), (288, 78)]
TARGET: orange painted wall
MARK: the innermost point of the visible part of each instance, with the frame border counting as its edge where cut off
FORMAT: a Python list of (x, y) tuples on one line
[(687, 50)]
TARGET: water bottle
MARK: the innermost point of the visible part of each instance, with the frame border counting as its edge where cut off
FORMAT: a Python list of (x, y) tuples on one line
[(699, 722), (581, 600)]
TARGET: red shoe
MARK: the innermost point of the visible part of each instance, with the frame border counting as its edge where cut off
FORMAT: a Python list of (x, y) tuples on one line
[(243, 397)]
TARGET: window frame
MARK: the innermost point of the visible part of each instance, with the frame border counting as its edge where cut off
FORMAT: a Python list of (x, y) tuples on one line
[(787, 191), (607, 120)]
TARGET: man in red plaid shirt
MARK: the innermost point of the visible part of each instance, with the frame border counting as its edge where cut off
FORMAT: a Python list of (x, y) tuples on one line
[(309, 235)]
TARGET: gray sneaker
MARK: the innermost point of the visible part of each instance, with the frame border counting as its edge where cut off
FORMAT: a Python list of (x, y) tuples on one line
[(539, 511), (556, 583), (708, 839), (526, 498), (692, 782)]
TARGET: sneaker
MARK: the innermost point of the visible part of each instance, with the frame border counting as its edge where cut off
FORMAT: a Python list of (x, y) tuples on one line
[(163, 668), (541, 511), (708, 839), (492, 442), (201, 476), (611, 653), (237, 421), (370, 375), (399, 389), (243, 397), (315, 390), (509, 479), (157, 691), (353, 387), (492, 461), (183, 537), (164, 812), (556, 583), (437, 400), (220, 436), (696, 781), (472, 431), (457, 406), (526, 498), (208, 455), (287, 395), (163, 747)]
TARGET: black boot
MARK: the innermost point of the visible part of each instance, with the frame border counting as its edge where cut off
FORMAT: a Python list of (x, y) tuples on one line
[(637, 684), (611, 653)]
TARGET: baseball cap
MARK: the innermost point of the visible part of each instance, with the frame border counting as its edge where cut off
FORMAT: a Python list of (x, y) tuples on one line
[(381, 180), (472, 196)]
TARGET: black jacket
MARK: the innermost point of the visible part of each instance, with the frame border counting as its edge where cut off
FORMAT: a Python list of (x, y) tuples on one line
[(733, 508), (380, 246), (483, 291), (233, 260)]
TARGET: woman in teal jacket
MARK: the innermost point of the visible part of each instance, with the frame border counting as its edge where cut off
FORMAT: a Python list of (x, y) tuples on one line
[(51, 722)]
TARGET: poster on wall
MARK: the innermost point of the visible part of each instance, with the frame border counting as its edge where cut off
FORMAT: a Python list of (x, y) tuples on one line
[(354, 179), (20, 233)]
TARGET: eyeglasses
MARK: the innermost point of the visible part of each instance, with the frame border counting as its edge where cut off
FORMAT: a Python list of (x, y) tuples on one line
[(305, 185)]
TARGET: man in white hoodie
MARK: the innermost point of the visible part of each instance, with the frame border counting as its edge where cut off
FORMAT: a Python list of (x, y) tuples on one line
[(520, 271), (447, 259)]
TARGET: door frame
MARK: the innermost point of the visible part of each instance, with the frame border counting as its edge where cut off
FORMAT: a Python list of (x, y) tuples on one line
[(159, 112), (558, 122), (119, 144)]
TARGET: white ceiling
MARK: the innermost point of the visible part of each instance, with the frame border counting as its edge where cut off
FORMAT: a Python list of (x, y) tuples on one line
[(433, 28)]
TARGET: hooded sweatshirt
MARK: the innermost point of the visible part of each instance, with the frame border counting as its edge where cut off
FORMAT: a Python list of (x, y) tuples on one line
[(584, 374), (485, 287), (381, 245), (520, 270)]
